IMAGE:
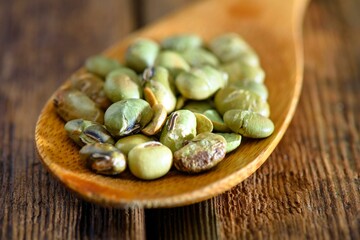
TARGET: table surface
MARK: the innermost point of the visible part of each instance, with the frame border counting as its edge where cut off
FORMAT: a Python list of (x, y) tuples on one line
[(308, 188)]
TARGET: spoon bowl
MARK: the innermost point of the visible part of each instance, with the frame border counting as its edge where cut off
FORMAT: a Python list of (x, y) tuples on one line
[(272, 28)]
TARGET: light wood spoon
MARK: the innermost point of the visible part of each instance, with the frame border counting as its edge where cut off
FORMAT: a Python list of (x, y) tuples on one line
[(273, 28)]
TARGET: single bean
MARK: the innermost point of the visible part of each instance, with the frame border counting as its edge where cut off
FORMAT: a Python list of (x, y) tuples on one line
[(157, 122), (201, 153), (150, 160), (119, 86), (203, 124), (255, 87), (227, 99), (248, 123), (162, 94), (200, 57), (161, 75), (72, 104), (103, 158), (141, 54), (238, 71), (172, 61), (228, 47), (179, 127), (200, 83), (127, 117), (101, 65), (182, 42)]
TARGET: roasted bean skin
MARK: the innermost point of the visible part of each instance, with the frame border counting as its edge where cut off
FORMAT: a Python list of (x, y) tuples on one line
[(201, 153)]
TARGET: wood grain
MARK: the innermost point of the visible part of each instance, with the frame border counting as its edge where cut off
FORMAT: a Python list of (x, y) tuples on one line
[(41, 43), (309, 187)]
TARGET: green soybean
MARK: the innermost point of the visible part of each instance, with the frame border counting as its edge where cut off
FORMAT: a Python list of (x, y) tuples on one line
[(179, 127), (200, 57), (228, 47), (141, 54), (200, 83), (150, 160), (127, 117), (163, 95), (161, 75), (238, 71), (255, 87), (101, 65), (248, 123), (172, 61), (203, 123), (119, 86), (227, 99), (72, 104), (182, 42), (233, 141)]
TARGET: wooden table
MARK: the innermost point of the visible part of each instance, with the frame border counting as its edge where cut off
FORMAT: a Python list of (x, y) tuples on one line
[(308, 188)]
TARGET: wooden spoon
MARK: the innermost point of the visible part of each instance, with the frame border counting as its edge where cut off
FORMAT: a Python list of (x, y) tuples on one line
[(273, 28)]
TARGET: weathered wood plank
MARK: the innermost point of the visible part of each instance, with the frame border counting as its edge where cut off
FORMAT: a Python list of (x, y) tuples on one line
[(309, 187), (42, 42)]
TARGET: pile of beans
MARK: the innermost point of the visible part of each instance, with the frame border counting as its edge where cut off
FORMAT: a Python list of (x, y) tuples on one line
[(180, 102)]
